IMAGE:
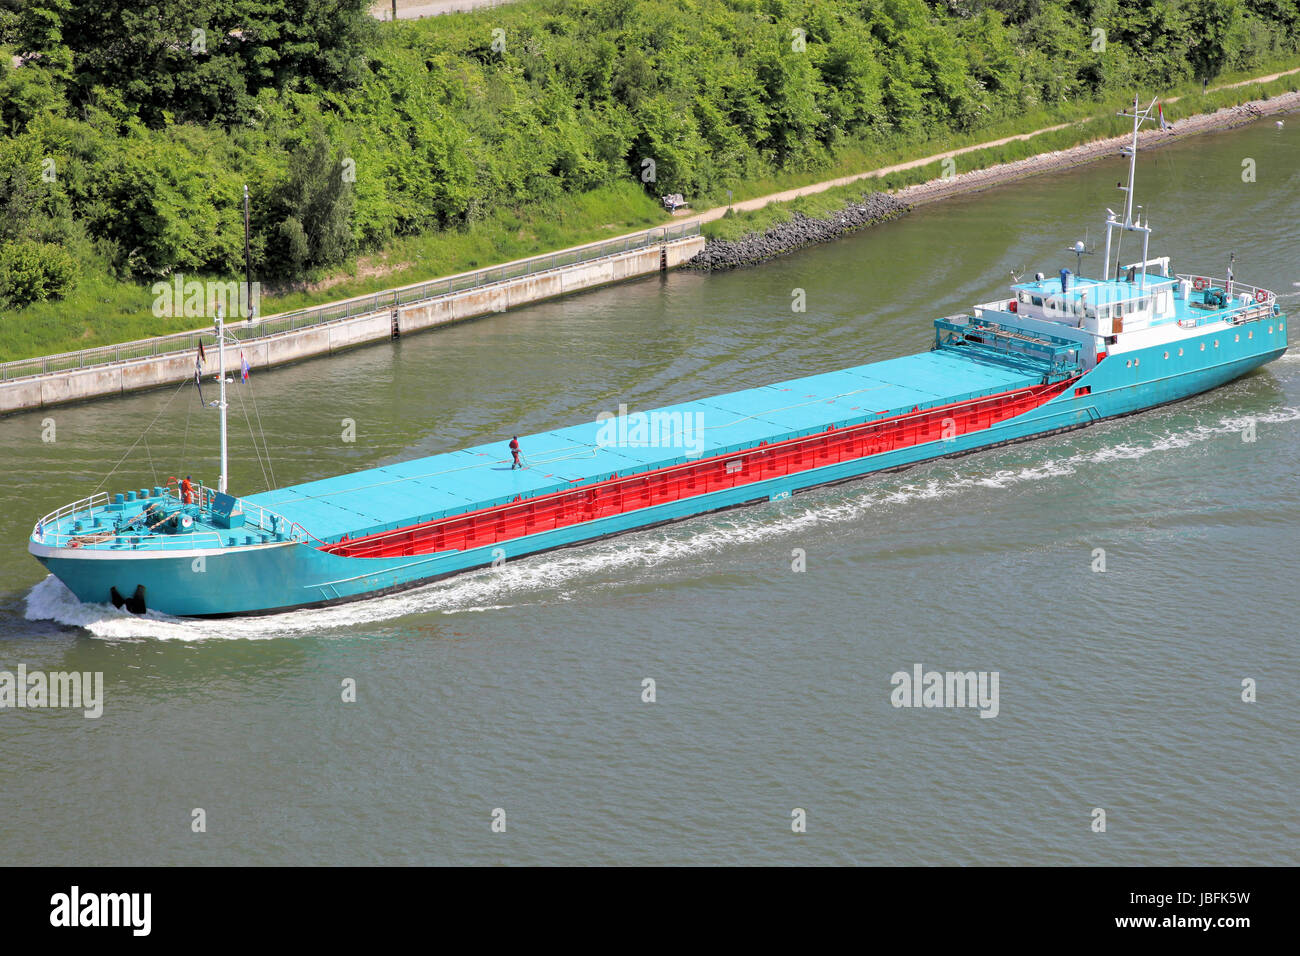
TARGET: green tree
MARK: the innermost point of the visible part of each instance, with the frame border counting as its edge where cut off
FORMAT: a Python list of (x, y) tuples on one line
[(1210, 24), (202, 60), (312, 209)]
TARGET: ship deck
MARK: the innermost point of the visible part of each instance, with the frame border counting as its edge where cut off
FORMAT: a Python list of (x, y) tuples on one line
[(426, 489)]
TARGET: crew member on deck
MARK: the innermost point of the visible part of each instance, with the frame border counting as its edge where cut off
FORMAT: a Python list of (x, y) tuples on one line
[(187, 491), (514, 450)]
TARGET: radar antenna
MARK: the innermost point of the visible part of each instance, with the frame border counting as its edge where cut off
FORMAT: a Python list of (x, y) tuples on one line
[(1081, 249)]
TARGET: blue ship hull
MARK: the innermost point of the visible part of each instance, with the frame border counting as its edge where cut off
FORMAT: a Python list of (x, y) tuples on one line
[(267, 578)]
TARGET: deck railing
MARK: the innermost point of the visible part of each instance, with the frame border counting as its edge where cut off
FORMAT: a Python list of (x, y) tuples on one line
[(46, 530), (263, 519), (1259, 306), (1201, 282), (259, 328)]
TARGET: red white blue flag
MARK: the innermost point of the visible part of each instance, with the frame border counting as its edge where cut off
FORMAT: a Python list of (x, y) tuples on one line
[(243, 368)]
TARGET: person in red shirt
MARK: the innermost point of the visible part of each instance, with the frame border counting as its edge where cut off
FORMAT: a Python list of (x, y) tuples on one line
[(514, 450), (187, 491)]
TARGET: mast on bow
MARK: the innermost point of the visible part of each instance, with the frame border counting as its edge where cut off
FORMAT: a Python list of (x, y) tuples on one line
[(221, 399)]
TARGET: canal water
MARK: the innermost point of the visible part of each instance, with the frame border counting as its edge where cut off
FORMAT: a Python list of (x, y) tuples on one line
[(521, 689)]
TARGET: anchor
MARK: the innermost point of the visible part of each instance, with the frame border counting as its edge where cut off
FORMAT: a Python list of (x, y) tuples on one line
[(134, 604)]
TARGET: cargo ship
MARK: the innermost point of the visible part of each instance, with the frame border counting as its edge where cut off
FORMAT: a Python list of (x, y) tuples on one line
[(1058, 353)]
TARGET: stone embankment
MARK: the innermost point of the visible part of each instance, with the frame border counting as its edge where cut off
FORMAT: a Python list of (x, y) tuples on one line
[(798, 232)]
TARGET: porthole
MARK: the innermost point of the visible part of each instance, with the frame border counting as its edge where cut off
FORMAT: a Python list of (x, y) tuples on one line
[(1202, 346), (1270, 330), (1250, 334), (1216, 343), (1137, 362), (1237, 337), (1128, 364), (1166, 355), (1180, 351)]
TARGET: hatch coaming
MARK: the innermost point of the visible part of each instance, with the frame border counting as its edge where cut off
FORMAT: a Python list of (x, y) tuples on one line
[(404, 493), (619, 495)]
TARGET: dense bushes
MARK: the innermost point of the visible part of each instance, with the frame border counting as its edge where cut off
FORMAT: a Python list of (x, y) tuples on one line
[(120, 133), (33, 272)]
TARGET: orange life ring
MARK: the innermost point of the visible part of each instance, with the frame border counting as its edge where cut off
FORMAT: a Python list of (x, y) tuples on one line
[(1261, 296), (1200, 283)]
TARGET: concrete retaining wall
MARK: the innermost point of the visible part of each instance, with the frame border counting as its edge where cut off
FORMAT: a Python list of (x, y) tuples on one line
[(57, 388)]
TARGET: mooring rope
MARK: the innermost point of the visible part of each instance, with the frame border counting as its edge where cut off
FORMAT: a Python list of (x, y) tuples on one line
[(270, 465), (142, 434), (257, 453)]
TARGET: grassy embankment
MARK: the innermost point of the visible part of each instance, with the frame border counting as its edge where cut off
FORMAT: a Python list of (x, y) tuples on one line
[(103, 310)]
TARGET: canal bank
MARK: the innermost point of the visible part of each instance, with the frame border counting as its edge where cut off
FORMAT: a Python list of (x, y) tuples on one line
[(101, 372), (861, 211), (108, 370)]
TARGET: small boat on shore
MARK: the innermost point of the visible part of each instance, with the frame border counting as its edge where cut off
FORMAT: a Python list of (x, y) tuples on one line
[(1057, 354)]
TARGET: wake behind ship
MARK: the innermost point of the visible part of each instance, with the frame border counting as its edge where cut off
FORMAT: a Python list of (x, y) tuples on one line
[(1060, 353)]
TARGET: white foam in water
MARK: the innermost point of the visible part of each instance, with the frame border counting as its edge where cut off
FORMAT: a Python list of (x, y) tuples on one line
[(541, 578)]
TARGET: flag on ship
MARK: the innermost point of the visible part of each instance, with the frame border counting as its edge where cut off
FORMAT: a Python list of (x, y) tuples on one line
[(243, 368), (198, 374), (1160, 108), (203, 356)]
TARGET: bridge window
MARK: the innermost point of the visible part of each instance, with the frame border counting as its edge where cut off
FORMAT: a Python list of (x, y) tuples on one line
[(1083, 390), (1038, 300)]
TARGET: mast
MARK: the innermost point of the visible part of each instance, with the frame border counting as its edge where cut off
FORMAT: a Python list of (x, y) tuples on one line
[(1132, 164), (1128, 224), (221, 401)]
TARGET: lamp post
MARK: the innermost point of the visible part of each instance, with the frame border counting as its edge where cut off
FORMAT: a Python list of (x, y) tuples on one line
[(249, 307)]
